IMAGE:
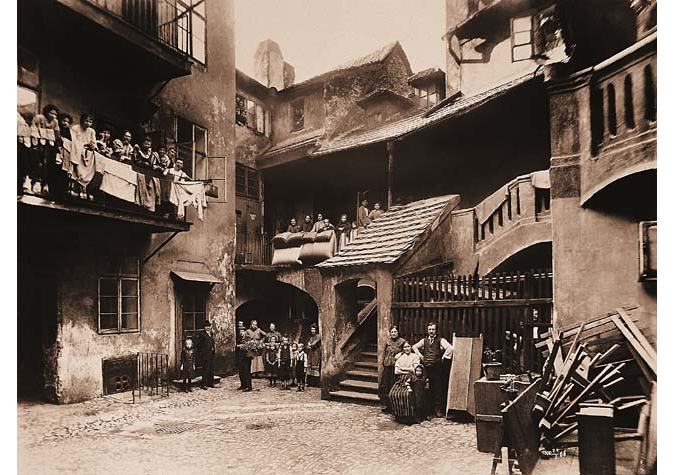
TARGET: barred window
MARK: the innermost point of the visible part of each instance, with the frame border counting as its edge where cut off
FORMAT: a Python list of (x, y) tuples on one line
[(119, 296), (247, 184)]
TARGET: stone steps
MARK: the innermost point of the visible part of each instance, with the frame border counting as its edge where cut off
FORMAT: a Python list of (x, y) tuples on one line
[(366, 365), (361, 386), (355, 397), (362, 374)]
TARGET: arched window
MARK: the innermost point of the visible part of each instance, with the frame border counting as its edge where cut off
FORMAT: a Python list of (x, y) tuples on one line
[(628, 102), (611, 109), (650, 94), (597, 119)]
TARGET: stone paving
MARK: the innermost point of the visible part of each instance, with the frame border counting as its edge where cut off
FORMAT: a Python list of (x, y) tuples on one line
[(223, 430)]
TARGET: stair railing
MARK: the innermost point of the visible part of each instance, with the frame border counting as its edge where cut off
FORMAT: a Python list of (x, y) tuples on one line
[(361, 318)]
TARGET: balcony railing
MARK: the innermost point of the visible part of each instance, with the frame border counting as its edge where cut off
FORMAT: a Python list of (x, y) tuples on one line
[(167, 21), (527, 199), (46, 172)]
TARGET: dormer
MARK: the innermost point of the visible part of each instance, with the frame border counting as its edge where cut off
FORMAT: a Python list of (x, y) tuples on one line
[(428, 86), (383, 105)]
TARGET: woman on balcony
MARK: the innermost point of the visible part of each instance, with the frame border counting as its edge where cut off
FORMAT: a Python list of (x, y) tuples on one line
[(293, 227), (313, 348)]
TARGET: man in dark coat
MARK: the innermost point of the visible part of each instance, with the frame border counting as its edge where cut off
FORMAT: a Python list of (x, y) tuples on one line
[(207, 356)]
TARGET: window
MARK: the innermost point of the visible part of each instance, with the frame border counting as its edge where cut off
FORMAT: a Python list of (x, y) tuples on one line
[(191, 24), (192, 148), (521, 38), (428, 95), (628, 102), (611, 109), (298, 115), (119, 295), (247, 182), (194, 310), (251, 114)]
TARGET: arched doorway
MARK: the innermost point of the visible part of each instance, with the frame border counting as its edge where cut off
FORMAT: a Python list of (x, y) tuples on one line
[(289, 308)]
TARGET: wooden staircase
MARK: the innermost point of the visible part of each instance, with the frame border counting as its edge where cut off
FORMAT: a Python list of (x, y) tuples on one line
[(360, 386)]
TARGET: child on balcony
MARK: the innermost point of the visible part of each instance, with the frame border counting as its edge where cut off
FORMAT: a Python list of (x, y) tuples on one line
[(127, 148), (103, 142), (163, 162), (42, 155), (83, 144)]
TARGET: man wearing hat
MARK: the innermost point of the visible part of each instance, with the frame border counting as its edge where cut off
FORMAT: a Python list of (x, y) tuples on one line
[(207, 354)]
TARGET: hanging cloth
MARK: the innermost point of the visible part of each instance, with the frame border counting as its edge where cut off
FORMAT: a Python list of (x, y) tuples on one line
[(185, 193), (119, 180), (541, 180), (147, 192)]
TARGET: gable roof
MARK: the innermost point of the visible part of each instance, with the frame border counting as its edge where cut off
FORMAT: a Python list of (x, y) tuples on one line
[(377, 56), (419, 121), (391, 235)]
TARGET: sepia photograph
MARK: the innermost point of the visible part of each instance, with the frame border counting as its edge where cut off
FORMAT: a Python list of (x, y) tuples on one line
[(336, 237)]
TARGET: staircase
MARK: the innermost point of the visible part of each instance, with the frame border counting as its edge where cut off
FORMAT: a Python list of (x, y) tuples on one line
[(360, 386)]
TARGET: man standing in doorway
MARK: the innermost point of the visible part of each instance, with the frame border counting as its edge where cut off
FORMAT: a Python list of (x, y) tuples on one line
[(434, 349), (208, 354)]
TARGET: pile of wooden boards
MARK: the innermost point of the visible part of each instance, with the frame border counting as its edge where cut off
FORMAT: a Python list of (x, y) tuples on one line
[(598, 361)]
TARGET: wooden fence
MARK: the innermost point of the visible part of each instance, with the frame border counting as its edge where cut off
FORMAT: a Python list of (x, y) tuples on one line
[(510, 310)]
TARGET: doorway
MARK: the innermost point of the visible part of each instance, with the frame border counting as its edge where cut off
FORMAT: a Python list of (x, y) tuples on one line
[(191, 313)]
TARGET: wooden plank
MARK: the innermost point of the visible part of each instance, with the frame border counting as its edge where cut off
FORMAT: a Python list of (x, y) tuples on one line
[(650, 453), (522, 430), (639, 336), (635, 344), (464, 372), (602, 319)]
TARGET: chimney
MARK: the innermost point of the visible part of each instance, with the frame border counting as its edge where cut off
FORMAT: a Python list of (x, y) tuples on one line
[(456, 11), (269, 66)]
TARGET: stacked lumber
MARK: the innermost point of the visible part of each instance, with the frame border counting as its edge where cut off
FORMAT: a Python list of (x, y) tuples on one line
[(597, 361)]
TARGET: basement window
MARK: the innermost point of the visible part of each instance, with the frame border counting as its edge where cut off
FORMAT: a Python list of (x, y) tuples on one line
[(119, 304)]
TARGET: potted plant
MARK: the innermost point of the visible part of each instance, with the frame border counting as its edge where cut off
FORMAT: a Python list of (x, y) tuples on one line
[(492, 368)]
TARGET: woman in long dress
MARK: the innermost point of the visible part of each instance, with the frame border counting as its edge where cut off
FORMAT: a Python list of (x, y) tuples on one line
[(402, 396), (313, 349), (255, 333), (392, 347)]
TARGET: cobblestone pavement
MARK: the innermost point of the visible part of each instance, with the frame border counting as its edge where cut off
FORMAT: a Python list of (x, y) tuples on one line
[(226, 431)]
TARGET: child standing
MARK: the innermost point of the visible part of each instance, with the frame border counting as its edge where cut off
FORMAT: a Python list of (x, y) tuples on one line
[(300, 366), (285, 361), (294, 353), (272, 360), (420, 387), (187, 365)]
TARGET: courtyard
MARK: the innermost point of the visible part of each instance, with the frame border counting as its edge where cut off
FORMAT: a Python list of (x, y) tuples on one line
[(223, 430)]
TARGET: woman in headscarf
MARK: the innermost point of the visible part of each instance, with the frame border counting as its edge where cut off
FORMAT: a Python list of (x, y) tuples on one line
[(402, 396), (313, 349), (392, 347)]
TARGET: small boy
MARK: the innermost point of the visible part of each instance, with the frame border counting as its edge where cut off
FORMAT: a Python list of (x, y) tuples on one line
[(187, 365), (285, 361), (103, 142), (163, 161), (294, 353), (144, 157), (300, 367)]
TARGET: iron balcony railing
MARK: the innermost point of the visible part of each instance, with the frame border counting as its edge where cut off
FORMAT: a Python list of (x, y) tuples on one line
[(168, 21)]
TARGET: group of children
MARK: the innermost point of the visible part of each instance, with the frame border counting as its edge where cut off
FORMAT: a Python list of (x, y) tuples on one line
[(285, 362), (36, 175)]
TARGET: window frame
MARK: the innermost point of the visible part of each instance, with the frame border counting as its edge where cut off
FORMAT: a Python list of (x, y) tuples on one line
[(249, 175), (193, 143), (646, 274), (190, 9), (295, 105), (251, 114), (119, 277), (518, 45)]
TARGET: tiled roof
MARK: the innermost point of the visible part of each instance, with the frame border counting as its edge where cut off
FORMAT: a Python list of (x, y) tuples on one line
[(425, 73), (418, 121), (372, 58), (391, 235), (305, 138)]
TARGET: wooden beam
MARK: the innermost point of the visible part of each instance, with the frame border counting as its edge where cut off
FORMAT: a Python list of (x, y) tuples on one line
[(390, 172), (639, 336), (635, 344)]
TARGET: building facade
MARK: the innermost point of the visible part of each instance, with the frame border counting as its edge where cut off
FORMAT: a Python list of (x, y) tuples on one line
[(101, 281)]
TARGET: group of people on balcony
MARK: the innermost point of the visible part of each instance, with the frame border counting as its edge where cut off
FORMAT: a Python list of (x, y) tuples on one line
[(345, 229), (45, 163)]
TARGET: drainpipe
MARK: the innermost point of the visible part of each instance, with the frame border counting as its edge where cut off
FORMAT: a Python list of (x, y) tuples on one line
[(390, 172)]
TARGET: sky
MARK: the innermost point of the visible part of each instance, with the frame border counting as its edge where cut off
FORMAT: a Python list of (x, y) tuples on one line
[(317, 35)]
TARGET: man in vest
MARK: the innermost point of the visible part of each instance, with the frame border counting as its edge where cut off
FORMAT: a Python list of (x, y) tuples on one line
[(434, 349)]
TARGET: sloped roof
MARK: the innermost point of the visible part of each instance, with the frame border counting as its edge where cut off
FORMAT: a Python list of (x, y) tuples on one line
[(309, 137), (391, 235), (371, 58), (425, 73), (419, 121)]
